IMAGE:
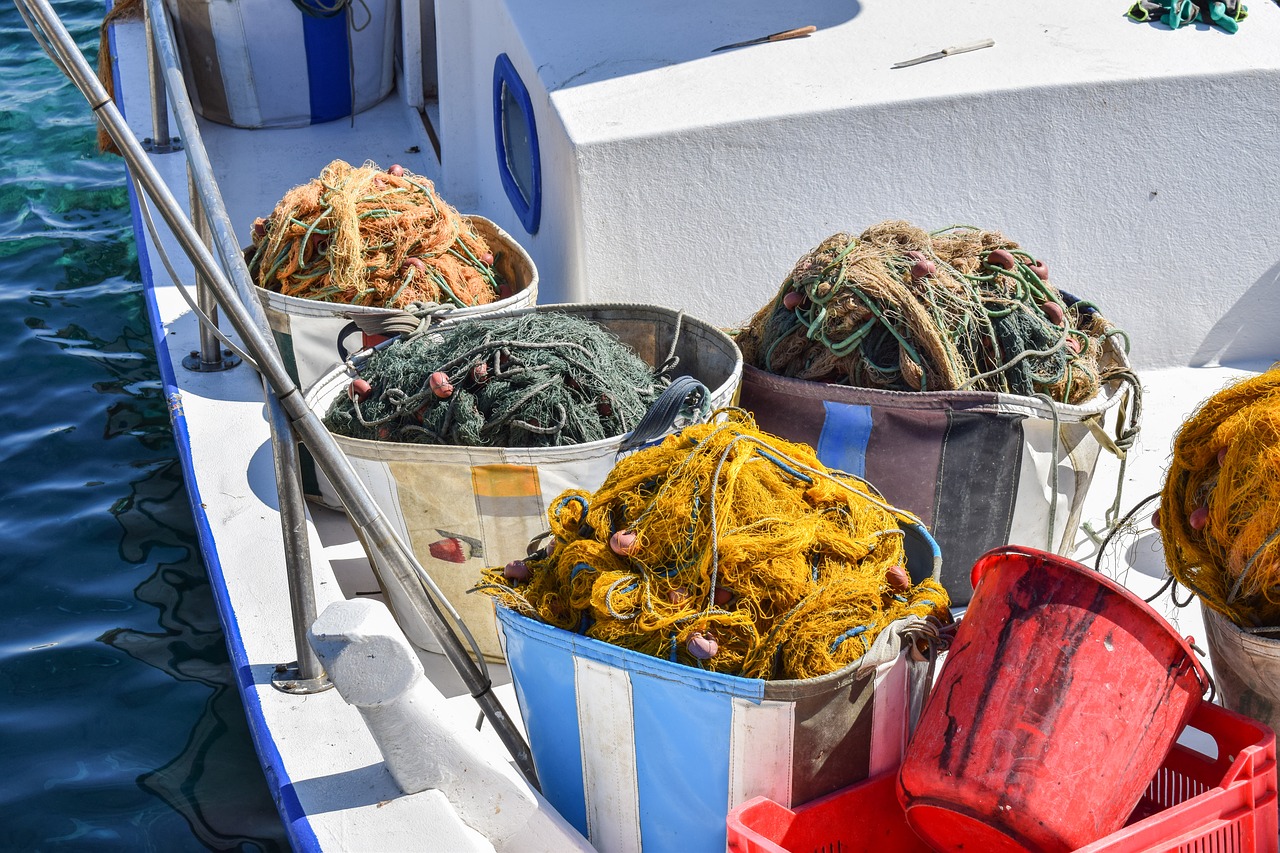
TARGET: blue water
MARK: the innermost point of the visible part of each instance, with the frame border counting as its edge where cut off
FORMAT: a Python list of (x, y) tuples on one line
[(120, 723)]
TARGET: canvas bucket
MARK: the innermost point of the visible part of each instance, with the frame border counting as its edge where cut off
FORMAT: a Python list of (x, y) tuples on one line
[(464, 509), (1246, 668), (315, 337), (266, 63), (641, 753), (980, 469)]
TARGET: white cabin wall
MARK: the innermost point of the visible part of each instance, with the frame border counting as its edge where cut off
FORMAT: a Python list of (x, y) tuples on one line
[(1156, 199), (460, 111), (470, 36), (1138, 162)]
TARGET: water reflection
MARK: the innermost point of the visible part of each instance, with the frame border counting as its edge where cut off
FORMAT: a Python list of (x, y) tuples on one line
[(206, 782)]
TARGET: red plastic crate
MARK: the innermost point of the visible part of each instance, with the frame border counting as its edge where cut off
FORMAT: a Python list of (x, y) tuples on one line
[(1195, 804)]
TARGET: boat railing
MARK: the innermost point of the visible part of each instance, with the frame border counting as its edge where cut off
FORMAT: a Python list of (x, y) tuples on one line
[(209, 215), (230, 285)]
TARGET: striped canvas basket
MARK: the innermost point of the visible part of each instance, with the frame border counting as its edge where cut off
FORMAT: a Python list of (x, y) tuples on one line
[(640, 753), (980, 469), (264, 63)]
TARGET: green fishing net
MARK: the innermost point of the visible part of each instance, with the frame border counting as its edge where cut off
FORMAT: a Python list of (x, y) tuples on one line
[(536, 379)]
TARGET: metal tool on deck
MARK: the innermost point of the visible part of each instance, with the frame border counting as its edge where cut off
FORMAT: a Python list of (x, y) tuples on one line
[(798, 32), (946, 51)]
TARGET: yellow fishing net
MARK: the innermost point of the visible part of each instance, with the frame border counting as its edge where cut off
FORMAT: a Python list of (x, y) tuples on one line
[(1220, 508), (727, 548), (364, 236)]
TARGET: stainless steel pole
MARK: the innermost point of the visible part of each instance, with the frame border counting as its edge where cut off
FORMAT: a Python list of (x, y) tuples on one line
[(211, 357), (308, 675), (160, 142)]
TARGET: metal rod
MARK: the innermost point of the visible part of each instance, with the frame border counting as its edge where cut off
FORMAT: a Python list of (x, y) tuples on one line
[(297, 545), (360, 505), (210, 346), (161, 142)]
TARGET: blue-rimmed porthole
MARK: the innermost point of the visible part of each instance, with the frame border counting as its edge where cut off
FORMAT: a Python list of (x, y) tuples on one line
[(516, 141)]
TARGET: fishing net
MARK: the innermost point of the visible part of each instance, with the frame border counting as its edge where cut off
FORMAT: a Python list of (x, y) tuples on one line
[(362, 236), (899, 308), (725, 548), (536, 379), (1220, 507)]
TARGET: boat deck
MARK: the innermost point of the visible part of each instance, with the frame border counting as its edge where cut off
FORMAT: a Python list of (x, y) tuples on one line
[(316, 747)]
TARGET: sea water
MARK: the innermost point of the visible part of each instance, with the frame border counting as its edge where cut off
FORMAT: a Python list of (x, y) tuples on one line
[(120, 724)]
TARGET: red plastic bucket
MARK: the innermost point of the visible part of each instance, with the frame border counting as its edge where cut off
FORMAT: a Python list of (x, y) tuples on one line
[(1061, 695)]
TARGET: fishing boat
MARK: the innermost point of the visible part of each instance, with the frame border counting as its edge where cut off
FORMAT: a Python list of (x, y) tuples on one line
[(669, 154)]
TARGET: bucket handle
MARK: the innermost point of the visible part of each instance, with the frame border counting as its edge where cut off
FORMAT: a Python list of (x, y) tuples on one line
[(681, 395), (1207, 684)]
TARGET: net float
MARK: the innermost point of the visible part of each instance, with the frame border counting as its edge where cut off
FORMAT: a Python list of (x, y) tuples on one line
[(921, 266), (624, 543), (487, 259), (480, 373), (1222, 456), (898, 578), (702, 646), (359, 390), (396, 170), (1002, 258), (1041, 269), (922, 269), (1199, 518), (677, 595), (1155, 519), (1053, 313), (440, 385), (792, 300), (1073, 344), (723, 596), (516, 570)]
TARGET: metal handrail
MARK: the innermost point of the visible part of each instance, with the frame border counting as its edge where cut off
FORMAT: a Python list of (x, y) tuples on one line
[(207, 200), (248, 319)]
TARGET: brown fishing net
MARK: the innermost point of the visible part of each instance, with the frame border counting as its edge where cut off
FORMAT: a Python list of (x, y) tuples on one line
[(729, 549), (904, 309), (364, 236)]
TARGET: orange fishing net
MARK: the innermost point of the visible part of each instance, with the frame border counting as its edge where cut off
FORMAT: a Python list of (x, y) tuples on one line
[(726, 548), (1220, 507), (364, 236)]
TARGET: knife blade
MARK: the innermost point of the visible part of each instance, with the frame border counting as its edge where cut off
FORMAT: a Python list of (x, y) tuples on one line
[(798, 32), (946, 51)]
